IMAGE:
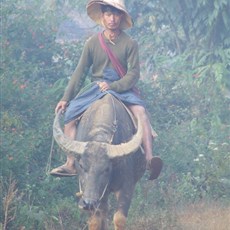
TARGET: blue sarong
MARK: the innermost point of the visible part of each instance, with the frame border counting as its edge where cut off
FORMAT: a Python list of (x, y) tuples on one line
[(83, 100)]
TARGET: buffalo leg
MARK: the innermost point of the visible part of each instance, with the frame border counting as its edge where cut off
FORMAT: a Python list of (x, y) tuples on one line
[(98, 219), (124, 201)]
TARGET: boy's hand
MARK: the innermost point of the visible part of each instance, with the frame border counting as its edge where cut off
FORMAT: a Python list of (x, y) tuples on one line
[(103, 86), (61, 105)]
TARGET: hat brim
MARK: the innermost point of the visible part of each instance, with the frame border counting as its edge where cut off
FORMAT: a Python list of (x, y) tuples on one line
[(94, 12)]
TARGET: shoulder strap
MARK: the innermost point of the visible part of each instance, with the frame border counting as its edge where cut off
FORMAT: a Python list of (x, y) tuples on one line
[(115, 62)]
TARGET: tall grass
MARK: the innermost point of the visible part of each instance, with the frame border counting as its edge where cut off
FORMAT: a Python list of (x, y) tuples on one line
[(198, 216)]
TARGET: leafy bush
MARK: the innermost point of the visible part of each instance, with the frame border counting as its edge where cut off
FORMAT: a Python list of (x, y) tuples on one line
[(28, 74)]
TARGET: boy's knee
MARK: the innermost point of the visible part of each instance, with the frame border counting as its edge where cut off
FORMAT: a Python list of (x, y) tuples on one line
[(137, 109), (140, 111)]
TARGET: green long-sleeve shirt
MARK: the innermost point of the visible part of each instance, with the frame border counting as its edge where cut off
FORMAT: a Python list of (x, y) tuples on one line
[(94, 57)]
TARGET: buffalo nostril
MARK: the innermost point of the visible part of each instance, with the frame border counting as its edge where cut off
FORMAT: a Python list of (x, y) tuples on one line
[(87, 204)]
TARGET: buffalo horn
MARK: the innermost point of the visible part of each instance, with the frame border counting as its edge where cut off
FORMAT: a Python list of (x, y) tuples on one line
[(128, 147), (67, 144)]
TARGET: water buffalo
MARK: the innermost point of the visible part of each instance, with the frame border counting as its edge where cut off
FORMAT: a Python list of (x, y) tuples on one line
[(109, 159)]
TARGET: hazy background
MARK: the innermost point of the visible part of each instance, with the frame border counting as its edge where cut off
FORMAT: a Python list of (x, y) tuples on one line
[(185, 55)]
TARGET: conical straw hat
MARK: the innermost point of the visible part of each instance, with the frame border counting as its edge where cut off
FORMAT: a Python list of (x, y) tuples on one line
[(94, 11)]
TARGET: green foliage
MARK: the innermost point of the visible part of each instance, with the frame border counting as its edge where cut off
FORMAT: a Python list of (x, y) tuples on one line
[(185, 83), (29, 71)]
